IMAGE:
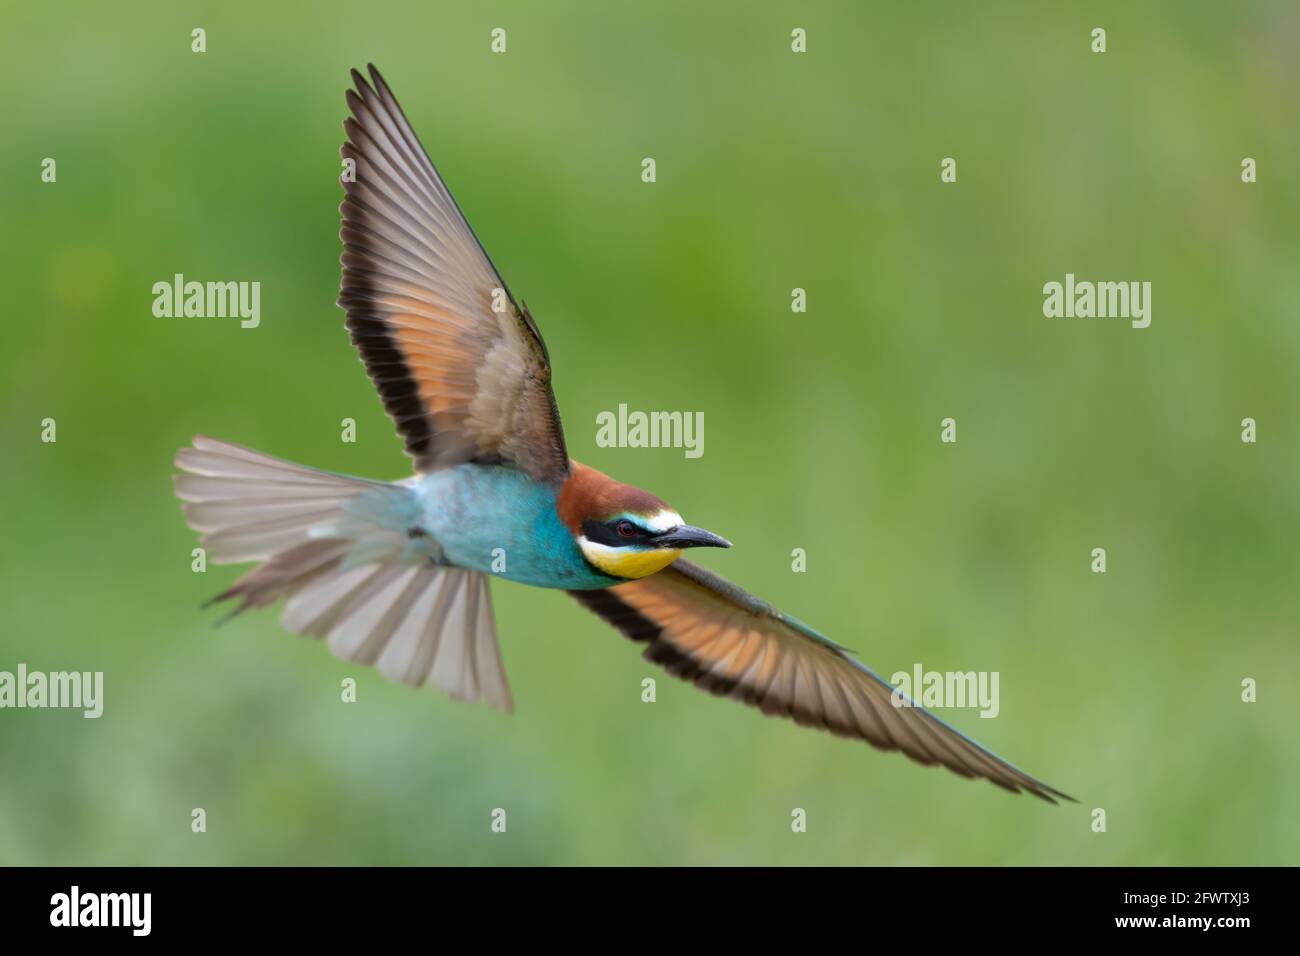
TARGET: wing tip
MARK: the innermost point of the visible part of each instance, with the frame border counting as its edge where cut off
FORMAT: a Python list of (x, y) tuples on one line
[(1037, 788), (1050, 792), (375, 85)]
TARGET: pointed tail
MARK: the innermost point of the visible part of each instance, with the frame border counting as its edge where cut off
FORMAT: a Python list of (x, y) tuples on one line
[(338, 549), (252, 507)]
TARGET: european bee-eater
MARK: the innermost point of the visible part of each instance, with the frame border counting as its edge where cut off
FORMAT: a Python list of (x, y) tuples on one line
[(396, 574)]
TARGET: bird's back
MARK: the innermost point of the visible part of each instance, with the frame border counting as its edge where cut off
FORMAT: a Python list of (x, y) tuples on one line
[(500, 521)]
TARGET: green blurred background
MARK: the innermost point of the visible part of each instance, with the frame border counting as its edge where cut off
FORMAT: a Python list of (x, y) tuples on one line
[(775, 170)]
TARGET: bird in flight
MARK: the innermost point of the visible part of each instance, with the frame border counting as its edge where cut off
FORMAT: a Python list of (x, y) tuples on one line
[(395, 574)]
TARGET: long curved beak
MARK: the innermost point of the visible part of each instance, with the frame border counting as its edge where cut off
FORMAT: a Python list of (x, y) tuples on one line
[(686, 536)]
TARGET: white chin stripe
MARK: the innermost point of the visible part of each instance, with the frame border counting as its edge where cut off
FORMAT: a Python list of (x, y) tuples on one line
[(597, 553)]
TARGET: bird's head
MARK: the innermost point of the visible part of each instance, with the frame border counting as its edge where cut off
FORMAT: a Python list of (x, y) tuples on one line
[(623, 531)]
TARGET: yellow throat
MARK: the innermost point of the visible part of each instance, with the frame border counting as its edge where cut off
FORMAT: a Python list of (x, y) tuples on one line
[(627, 563)]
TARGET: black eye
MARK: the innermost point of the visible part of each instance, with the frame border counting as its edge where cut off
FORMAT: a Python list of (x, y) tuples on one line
[(626, 529)]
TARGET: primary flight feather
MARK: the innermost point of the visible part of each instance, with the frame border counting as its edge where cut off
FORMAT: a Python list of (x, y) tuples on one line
[(396, 574)]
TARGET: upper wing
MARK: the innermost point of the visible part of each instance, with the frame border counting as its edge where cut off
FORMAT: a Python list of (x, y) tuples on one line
[(706, 630), (461, 368)]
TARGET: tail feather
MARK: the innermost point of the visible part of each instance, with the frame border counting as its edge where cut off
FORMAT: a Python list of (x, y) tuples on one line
[(251, 507), (285, 573), (202, 488), (212, 516), (337, 550)]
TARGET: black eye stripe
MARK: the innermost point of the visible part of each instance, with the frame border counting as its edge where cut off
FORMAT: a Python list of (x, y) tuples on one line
[(606, 532)]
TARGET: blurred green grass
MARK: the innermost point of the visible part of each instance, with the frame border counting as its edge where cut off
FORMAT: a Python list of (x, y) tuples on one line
[(774, 171)]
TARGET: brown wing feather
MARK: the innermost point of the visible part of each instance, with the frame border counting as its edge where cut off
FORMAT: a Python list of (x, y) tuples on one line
[(463, 382), (704, 629)]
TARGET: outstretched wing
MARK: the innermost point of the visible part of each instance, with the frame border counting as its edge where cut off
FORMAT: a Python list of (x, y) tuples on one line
[(460, 366), (708, 631)]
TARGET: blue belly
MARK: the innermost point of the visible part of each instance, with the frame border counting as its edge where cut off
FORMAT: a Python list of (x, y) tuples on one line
[(499, 521)]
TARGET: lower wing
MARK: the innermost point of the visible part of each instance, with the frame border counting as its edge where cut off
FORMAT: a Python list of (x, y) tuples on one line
[(704, 629)]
